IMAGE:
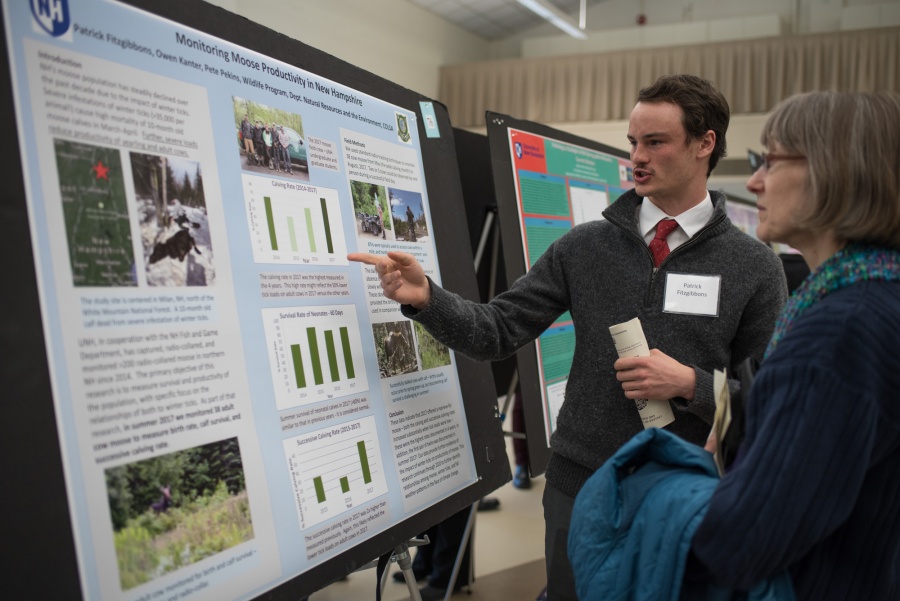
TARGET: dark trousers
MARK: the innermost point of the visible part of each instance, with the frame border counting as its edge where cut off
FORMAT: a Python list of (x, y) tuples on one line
[(557, 515), (437, 558)]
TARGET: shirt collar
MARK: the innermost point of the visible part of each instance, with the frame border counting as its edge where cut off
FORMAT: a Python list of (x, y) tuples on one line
[(691, 221)]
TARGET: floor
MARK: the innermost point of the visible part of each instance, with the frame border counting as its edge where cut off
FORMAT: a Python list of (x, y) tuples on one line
[(509, 555)]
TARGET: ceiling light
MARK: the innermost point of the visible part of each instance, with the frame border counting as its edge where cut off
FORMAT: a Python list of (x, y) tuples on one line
[(555, 16)]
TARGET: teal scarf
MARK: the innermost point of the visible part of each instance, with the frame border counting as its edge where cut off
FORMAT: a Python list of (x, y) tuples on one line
[(853, 263)]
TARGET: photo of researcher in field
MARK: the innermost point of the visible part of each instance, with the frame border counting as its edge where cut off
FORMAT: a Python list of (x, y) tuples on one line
[(270, 141), (408, 215), (174, 510), (174, 227), (372, 210)]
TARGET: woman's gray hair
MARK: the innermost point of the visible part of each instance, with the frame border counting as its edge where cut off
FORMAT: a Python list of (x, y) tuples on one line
[(852, 144)]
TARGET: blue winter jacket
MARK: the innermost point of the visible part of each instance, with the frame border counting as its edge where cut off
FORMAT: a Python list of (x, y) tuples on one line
[(634, 519)]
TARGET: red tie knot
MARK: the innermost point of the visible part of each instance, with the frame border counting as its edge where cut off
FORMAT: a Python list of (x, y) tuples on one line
[(664, 228)]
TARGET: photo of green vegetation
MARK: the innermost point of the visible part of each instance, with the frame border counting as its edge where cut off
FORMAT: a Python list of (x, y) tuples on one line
[(431, 352), (367, 198), (174, 510), (95, 210)]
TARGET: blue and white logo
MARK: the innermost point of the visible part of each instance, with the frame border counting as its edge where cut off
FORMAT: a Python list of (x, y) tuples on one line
[(518, 147), (52, 16)]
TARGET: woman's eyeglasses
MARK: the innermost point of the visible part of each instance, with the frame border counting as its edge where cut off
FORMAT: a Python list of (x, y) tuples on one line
[(765, 160)]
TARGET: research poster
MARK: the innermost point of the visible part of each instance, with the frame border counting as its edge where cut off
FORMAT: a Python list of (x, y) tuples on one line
[(236, 402), (558, 186)]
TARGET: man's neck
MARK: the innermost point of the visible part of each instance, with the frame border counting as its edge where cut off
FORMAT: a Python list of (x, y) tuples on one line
[(674, 205)]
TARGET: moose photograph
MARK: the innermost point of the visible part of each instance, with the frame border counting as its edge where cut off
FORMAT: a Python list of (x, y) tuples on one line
[(174, 510), (395, 348), (174, 227)]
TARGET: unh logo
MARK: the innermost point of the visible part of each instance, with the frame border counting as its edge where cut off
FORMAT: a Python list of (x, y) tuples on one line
[(51, 15)]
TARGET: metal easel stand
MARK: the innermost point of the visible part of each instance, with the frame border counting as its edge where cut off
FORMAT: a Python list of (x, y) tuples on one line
[(402, 558), (468, 537), (486, 229)]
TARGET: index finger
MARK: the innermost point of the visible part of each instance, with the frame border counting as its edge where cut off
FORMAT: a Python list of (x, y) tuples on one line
[(625, 363), (367, 258)]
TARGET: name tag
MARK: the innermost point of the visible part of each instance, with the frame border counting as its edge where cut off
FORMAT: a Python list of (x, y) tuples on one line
[(692, 294)]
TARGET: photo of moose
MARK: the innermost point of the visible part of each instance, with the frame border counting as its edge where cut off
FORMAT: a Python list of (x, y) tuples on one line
[(174, 227), (395, 348), (174, 510), (372, 210), (408, 215)]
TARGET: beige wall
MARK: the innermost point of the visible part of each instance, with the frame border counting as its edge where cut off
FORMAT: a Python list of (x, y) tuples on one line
[(391, 38)]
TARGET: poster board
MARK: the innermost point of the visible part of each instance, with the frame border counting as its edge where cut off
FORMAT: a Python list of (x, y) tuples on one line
[(547, 181), (190, 344), (743, 215)]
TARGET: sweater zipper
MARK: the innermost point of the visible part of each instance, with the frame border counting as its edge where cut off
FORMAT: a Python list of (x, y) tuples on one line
[(691, 241)]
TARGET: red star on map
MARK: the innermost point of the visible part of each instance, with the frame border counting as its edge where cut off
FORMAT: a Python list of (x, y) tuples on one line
[(102, 171)]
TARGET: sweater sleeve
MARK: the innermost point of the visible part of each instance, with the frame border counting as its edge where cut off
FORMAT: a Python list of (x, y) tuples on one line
[(495, 330)]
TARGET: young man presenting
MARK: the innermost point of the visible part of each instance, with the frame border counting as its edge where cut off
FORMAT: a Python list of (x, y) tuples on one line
[(610, 271)]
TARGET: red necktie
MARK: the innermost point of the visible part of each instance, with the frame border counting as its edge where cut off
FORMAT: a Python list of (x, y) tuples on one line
[(658, 246)]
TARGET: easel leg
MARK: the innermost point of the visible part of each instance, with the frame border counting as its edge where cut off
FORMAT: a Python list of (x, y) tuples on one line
[(404, 561), (467, 537)]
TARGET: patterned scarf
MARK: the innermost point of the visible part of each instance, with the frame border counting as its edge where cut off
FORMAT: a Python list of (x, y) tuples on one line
[(854, 263)]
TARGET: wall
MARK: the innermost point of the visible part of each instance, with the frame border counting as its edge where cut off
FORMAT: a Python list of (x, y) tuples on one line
[(391, 38), (613, 22)]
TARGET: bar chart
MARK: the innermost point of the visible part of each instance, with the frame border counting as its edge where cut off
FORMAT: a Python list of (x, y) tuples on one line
[(315, 353), (292, 223), (334, 470)]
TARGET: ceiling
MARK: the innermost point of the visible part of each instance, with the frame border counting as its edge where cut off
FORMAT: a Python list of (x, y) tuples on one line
[(495, 19)]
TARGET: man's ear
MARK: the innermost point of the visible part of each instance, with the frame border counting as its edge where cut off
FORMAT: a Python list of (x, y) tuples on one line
[(707, 144)]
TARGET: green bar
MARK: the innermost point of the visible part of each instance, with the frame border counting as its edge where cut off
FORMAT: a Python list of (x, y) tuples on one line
[(293, 234), (364, 461), (320, 490), (309, 230), (270, 218), (345, 484), (348, 358), (332, 355), (298, 365), (327, 227), (314, 353)]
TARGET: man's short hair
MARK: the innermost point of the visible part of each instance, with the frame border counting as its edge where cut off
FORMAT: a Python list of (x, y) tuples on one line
[(851, 141), (703, 108)]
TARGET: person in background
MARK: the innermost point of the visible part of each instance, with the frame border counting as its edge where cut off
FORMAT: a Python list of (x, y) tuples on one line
[(815, 487), (609, 271), (521, 478)]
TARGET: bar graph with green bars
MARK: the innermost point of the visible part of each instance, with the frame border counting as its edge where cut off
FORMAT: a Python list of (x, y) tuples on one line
[(335, 468), (315, 358), (319, 483), (301, 225)]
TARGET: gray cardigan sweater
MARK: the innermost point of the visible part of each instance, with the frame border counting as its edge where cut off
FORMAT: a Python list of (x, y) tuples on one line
[(602, 272)]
